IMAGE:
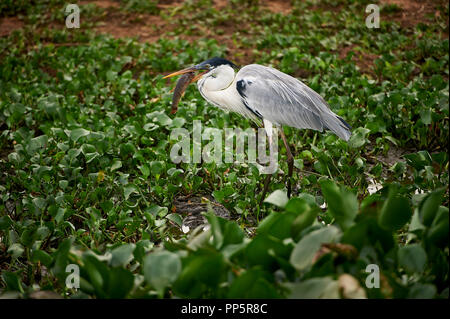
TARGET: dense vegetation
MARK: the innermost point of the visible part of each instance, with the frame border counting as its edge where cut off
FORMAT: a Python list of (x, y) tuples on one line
[(85, 176)]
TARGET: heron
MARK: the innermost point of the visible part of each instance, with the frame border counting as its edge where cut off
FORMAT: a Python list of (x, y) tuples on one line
[(267, 96)]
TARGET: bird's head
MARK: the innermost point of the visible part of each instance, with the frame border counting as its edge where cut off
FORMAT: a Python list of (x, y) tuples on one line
[(206, 68)]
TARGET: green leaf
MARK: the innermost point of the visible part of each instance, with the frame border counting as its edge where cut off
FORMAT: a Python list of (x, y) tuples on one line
[(176, 218), (224, 232), (122, 255), (42, 256), (128, 190), (425, 116), (119, 284), (15, 250), (156, 167), (429, 206), (156, 210), (61, 258), (260, 250), (278, 225), (395, 212), (419, 160), (98, 274), (202, 271), (415, 223), (161, 269), (254, 284), (63, 184), (142, 248), (5, 222), (77, 133), (145, 170), (439, 230), (116, 165), (304, 220), (160, 117), (342, 203), (422, 291), (277, 198), (305, 250), (37, 143), (42, 232), (60, 215), (314, 288), (412, 257), (12, 281), (358, 137)]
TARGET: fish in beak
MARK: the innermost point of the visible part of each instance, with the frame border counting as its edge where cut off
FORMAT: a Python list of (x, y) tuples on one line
[(188, 77)]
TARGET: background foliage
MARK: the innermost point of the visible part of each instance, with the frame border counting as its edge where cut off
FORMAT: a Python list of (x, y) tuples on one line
[(85, 176)]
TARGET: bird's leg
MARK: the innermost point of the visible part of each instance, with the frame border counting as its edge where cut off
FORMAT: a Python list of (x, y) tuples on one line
[(290, 160), (266, 188), (268, 129)]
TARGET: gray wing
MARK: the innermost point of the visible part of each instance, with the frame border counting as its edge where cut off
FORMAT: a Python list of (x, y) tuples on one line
[(282, 99)]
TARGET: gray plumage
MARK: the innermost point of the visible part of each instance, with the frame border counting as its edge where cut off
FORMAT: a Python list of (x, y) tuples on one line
[(282, 99)]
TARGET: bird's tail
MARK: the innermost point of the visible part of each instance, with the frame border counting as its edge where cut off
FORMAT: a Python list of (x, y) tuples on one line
[(341, 128)]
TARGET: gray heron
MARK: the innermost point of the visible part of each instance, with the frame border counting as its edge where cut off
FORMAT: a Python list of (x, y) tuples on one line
[(265, 95)]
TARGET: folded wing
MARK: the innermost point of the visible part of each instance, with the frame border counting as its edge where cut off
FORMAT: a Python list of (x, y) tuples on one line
[(282, 99)]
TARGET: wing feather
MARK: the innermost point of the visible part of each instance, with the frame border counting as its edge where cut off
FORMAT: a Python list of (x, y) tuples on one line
[(285, 100)]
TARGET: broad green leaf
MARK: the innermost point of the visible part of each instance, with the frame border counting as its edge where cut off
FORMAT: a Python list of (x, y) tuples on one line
[(156, 167), (277, 198), (119, 284), (142, 247), (395, 213), (77, 133), (342, 203), (145, 170), (128, 190), (304, 251), (5, 222), (42, 256), (429, 206), (202, 271), (304, 220), (61, 258), (15, 250), (122, 255), (314, 288), (161, 269), (277, 224), (176, 218), (438, 233), (253, 283), (422, 291), (412, 257), (260, 250), (12, 281), (419, 160), (37, 143), (224, 232), (116, 165), (42, 232), (358, 137)]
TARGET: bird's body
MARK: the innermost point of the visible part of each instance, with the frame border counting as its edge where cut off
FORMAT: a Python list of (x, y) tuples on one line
[(263, 93), (266, 95)]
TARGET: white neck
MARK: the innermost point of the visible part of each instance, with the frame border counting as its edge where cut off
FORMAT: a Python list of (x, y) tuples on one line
[(217, 79), (218, 87)]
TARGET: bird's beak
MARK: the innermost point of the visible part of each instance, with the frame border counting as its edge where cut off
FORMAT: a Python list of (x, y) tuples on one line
[(188, 70)]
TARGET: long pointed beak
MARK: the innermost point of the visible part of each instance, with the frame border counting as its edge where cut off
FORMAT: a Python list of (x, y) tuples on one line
[(187, 70)]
